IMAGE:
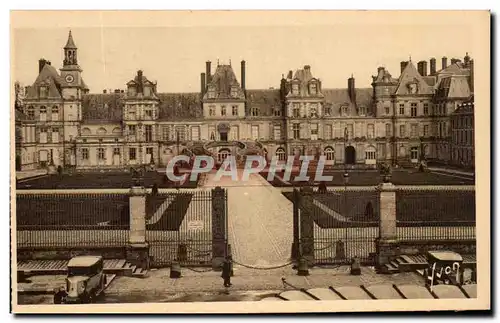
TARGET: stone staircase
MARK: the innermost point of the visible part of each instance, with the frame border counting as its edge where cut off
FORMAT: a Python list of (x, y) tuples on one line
[(417, 263)]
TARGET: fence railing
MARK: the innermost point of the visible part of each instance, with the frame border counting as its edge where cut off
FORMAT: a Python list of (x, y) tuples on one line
[(72, 220)]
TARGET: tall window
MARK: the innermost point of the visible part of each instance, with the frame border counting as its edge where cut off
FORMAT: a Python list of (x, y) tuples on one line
[(295, 89), (350, 131), (413, 131), (280, 153), (116, 151), (85, 153), (328, 110), (166, 133), (211, 93), (43, 135), (235, 110), (296, 131), (148, 133), (277, 132), (181, 132), (387, 110), (328, 131), (55, 135), (132, 153), (100, 154), (426, 109), (329, 153), (55, 113), (401, 109), (426, 130), (255, 132), (44, 91), (223, 110), (413, 109), (414, 153), (362, 111), (132, 113), (211, 110), (370, 130), (234, 92), (254, 111), (296, 110), (195, 133), (388, 128), (31, 112), (132, 129), (314, 131), (312, 88), (149, 114), (370, 154), (277, 112), (344, 110), (43, 113), (402, 131)]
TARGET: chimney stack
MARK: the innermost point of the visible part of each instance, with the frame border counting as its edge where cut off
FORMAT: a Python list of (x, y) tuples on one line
[(466, 59), (243, 75), (403, 65), (444, 62), (351, 89), (307, 67), (422, 68), (290, 75), (208, 70), (139, 81), (433, 66), (104, 91), (41, 64), (203, 85)]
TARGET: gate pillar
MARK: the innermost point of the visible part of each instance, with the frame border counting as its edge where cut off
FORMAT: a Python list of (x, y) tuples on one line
[(387, 243), (138, 248), (219, 227), (306, 226), (295, 242)]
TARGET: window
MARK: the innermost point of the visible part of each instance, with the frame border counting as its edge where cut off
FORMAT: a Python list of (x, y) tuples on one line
[(413, 131), (43, 113), (277, 132), (234, 133), (381, 150), (180, 133), (131, 113), (296, 131), (350, 131), (55, 135), (195, 133), (402, 131), (55, 113), (401, 109), (116, 151), (414, 153), (131, 153), (426, 130), (132, 129), (223, 110), (280, 153), (314, 131), (43, 135), (149, 151), (100, 154), (166, 133), (370, 130), (235, 110), (211, 93), (328, 110), (312, 88), (234, 92), (31, 112), (296, 110), (148, 129), (149, 114), (313, 110), (388, 128), (362, 111), (277, 112), (295, 89), (387, 110), (211, 110), (44, 91), (329, 153), (85, 153), (328, 131), (413, 109), (254, 111), (426, 109), (344, 110), (370, 154), (255, 132)]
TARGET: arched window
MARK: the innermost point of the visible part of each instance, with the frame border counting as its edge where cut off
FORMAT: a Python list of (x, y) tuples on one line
[(43, 113), (86, 132), (414, 153), (329, 153), (280, 153), (117, 131), (101, 131)]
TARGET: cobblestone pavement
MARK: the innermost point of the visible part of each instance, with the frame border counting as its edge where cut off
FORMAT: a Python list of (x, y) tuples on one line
[(260, 221)]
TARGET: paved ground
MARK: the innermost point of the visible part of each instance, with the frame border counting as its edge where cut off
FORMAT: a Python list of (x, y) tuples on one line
[(260, 220)]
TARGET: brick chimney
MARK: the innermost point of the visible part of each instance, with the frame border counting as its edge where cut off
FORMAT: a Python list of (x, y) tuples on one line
[(243, 75), (203, 79), (139, 82), (444, 62), (403, 65), (351, 89), (208, 70), (41, 64), (422, 68), (433, 66)]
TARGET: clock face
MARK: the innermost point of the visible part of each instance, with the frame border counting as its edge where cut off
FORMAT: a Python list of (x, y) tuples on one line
[(69, 78)]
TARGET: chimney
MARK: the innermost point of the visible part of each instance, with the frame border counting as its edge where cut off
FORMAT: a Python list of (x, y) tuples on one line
[(454, 61), (117, 91), (351, 89), (41, 64), (444, 62), (422, 68), (104, 91), (466, 59), (208, 71), (433, 66), (243, 75), (307, 67), (203, 85), (471, 64), (290, 75), (403, 65), (139, 82)]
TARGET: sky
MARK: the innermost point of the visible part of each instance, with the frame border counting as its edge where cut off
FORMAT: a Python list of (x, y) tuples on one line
[(175, 56)]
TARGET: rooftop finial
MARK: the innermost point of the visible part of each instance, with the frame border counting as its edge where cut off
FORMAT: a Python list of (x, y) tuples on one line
[(217, 62), (229, 62), (410, 57)]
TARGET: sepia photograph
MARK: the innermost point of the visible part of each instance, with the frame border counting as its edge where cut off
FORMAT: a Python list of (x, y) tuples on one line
[(234, 162)]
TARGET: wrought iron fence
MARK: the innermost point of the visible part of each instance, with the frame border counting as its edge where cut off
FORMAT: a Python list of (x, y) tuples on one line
[(436, 213), (179, 227), (72, 220)]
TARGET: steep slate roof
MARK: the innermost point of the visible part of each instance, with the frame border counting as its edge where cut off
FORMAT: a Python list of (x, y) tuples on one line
[(102, 107), (178, 106), (265, 100), (48, 76), (304, 76), (410, 75), (336, 98), (453, 87), (222, 81), (70, 44)]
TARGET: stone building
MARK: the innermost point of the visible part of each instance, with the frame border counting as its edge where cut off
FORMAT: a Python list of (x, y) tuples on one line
[(462, 131), (398, 120)]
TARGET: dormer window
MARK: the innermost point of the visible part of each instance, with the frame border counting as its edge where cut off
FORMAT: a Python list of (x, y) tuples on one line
[(44, 91), (211, 93), (277, 112), (344, 110), (412, 87), (211, 110), (328, 110), (223, 110), (234, 92), (313, 109), (295, 89), (254, 111), (313, 88), (362, 111)]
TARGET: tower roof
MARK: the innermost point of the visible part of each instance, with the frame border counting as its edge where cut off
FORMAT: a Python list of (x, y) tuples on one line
[(70, 44)]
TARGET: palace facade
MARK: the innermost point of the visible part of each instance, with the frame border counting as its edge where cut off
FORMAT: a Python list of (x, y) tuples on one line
[(399, 119)]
